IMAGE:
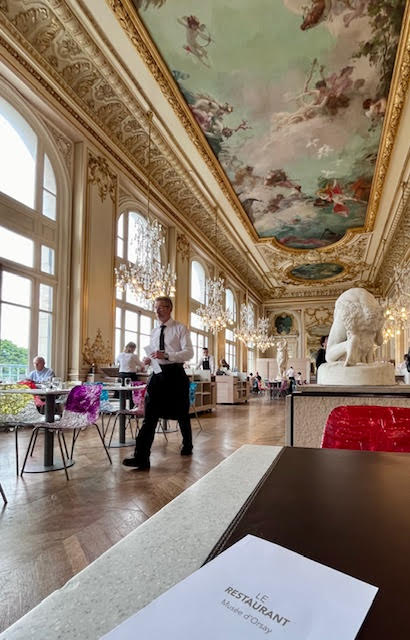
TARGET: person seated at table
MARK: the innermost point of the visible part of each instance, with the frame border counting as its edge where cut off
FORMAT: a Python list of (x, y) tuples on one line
[(41, 373), (254, 383)]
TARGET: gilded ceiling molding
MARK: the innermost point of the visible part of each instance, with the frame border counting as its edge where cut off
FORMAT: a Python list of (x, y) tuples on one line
[(64, 145), (133, 26), (183, 247), (59, 44), (317, 316), (127, 16), (100, 175), (396, 250)]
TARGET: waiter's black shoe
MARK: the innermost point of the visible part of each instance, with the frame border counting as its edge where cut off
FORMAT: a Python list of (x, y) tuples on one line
[(186, 451), (138, 465)]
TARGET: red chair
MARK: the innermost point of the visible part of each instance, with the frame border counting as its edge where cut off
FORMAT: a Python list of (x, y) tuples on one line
[(370, 428)]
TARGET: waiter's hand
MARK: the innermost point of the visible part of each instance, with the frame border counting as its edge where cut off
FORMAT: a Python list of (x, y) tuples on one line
[(146, 361), (160, 355)]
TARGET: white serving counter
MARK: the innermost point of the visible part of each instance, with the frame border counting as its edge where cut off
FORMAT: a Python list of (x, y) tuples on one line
[(158, 554)]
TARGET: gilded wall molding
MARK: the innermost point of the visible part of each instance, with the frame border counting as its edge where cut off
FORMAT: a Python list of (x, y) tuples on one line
[(398, 247), (64, 145), (134, 28), (183, 247), (99, 174), (59, 44)]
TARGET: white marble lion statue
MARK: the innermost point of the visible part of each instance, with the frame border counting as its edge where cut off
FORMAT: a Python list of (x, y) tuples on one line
[(357, 327)]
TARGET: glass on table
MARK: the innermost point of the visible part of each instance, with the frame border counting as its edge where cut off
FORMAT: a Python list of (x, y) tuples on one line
[(56, 382)]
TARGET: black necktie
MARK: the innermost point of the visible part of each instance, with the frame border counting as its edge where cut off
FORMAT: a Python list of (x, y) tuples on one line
[(161, 338)]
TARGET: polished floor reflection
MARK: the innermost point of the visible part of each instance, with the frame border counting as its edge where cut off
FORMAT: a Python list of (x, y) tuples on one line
[(51, 528)]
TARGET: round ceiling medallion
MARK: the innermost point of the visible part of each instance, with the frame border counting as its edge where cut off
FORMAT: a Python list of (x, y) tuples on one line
[(320, 271)]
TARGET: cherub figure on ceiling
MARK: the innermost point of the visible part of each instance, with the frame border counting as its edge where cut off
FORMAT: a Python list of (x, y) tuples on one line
[(198, 38)]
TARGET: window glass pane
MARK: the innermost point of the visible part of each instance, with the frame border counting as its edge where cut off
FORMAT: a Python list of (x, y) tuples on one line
[(130, 336), (17, 155), (130, 297), (16, 289), (15, 247), (230, 304), (44, 335), (117, 342), (120, 226), (49, 181), (119, 293), (197, 282), (118, 317), (49, 205), (136, 231), (15, 325), (131, 321), (145, 324), (46, 297), (120, 248), (47, 259), (196, 321), (229, 335)]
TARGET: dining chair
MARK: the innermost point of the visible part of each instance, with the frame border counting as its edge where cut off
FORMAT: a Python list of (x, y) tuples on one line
[(81, 411), (136, 413), (18, 410), (368, 428)]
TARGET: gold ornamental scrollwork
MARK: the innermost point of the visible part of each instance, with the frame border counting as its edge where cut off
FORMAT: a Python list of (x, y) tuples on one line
[(183, 246), (100, 175)]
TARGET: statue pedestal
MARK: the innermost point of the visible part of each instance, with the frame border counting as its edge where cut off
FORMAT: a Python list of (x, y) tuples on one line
[(335, 373)]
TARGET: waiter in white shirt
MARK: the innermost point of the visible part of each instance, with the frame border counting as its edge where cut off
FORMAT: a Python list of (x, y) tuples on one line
[(207, 362), (167, 394)]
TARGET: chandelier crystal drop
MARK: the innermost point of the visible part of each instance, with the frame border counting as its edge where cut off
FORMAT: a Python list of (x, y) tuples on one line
[(263, 340), (147, 277), (215, 317), (246, 330)]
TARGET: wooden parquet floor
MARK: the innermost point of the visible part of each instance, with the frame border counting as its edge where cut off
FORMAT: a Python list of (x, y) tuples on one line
[(51, 529)]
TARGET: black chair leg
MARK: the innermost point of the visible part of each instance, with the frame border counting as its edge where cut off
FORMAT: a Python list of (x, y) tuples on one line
[(34, 444), (112, 431), (103, 443), (75, 436), (65, 445), (3, 495), (33, 435), (17, 450), (62, 454)]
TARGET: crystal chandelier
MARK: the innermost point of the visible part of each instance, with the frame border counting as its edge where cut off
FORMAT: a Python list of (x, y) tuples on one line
[(147, 277), (214, 315), (262, 339), (248, 332)]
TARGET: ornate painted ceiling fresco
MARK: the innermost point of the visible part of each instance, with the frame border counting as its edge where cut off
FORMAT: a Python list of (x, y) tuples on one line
[(291, 97)]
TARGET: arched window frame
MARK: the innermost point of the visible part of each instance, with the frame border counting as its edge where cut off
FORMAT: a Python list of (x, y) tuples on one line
[(231, 344), (199, 335), (32, 224), (251, 355), (134, 319)]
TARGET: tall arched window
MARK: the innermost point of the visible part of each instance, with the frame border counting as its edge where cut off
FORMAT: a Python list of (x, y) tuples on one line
[(230, 340), (251, 347), (199, 335), (134, 318), (29, 202)]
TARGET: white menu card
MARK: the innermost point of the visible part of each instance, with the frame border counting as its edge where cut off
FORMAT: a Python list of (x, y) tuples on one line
[(254, 590)]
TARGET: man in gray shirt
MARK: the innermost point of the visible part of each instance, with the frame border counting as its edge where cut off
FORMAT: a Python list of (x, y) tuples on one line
[(41, 373)]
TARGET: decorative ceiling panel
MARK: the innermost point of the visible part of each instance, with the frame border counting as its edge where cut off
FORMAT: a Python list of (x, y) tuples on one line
[(291, 97)]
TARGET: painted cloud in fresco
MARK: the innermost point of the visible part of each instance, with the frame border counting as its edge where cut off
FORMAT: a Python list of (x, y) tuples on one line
[(291, 96)]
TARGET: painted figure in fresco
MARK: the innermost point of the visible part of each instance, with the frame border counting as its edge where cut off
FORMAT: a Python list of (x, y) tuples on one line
[(321, 10), (374, 109), (197, 38), (283, 323)]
